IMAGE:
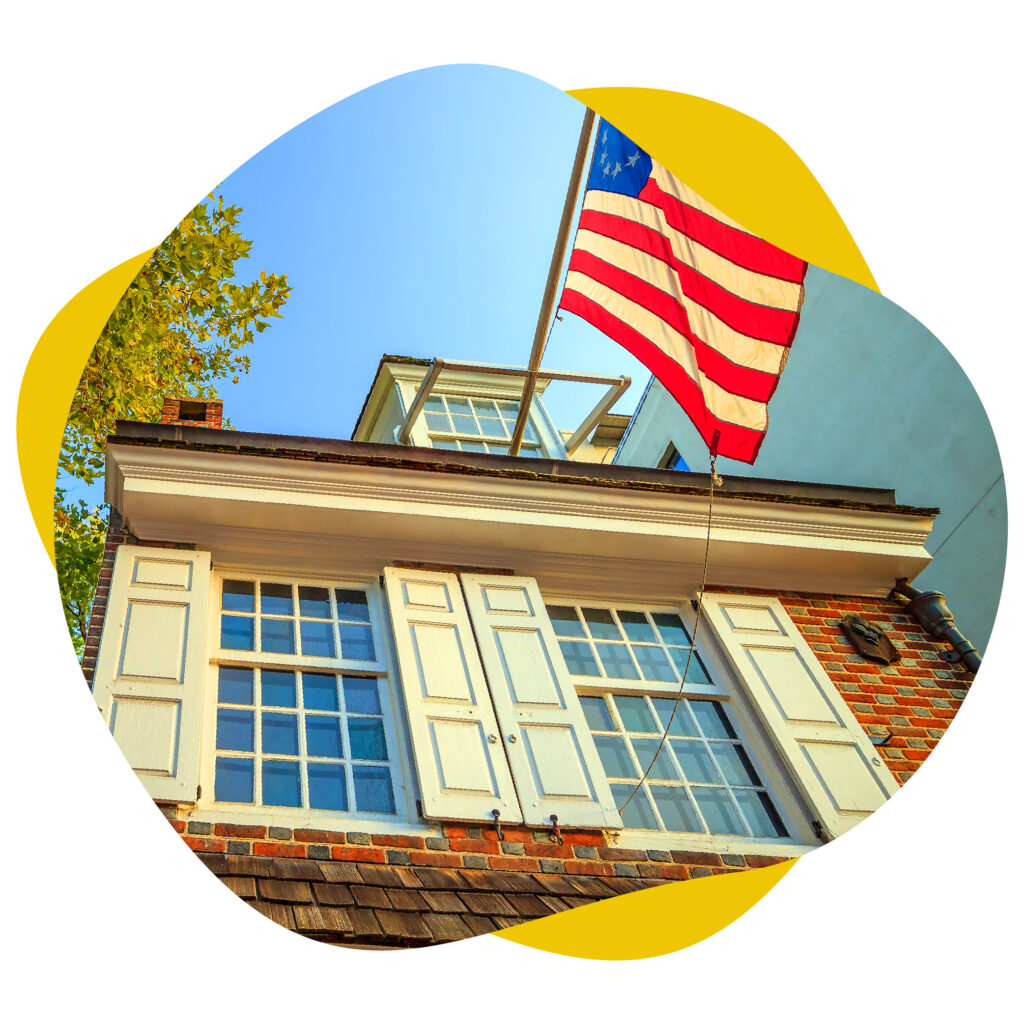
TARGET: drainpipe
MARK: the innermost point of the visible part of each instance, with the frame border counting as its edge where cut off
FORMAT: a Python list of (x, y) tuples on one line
[(932, 612)]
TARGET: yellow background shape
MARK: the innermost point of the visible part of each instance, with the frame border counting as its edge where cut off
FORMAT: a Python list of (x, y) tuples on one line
[(737, 164)]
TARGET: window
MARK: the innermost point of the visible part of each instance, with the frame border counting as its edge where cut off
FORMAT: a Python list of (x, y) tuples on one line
[(477, 425), (627, 665), (303, 706), (702, 781), (673, 460)]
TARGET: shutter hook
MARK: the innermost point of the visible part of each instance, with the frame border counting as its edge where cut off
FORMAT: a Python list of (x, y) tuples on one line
[(497, 825), (556, 831)]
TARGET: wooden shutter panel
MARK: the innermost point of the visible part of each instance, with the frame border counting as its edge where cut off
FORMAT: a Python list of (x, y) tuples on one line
[(460, 760), (151, 665), (554, 761), (832, 760)]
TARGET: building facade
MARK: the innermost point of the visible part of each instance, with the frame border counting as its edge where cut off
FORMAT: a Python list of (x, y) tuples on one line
[(396, 694)]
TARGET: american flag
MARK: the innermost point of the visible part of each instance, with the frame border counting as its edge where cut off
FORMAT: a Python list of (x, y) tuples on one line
[(707, 307)]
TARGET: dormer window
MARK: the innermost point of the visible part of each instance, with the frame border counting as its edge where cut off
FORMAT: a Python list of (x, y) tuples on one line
[(477, 425)]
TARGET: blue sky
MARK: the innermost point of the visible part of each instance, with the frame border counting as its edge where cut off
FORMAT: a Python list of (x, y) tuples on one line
[(417, 218)]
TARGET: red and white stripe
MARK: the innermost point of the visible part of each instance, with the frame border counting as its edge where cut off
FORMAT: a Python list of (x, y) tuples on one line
[(707, 307)]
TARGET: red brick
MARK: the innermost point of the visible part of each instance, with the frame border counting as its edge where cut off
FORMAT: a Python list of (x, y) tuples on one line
[(614, 853), (366, 854), (455, 831), (474, 845), (757, 860), (205, 845), (178, 826), (916, 755), (552, 850), (584, 839), (403, 842), (241, 831), (511, 834), (278, 850), (514, 864), (708, 860), (588, 867), (677, 872), (432, 859), (316, 835)]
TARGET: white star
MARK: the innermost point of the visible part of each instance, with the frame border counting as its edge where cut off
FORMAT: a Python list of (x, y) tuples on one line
[(618, 167), (631, 160), (604, 156), (607, 169), (604, 138)]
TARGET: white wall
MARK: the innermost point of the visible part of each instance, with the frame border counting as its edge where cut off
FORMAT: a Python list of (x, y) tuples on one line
[(871, 397)]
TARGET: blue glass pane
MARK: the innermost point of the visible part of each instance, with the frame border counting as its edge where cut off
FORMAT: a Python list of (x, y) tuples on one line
[(236, 633), (366, 739), (434, 404), (352, 605), (234, 685), (615, 757), (718, 811), (696, 673), (280, 734), (315, 602), (711, 719), (694, 760), (671, 628), (319, 692), (356, 643), (281, 784), (235, 729), (361, 697), (676, 809), (653, 664), (277, 688), (233, 781), (635, 715), (373, 789), (637, 627), (602, 625), (565, 620), (276, 598), (327, 788), (579, 659), (492, 428), (682, 722), (616, 661), (237, 596), (277, 636), (758, 809), (323, 736), (597, 714), (663, 767), (317, 639), (447, 445), (735, 764), (637, 813)]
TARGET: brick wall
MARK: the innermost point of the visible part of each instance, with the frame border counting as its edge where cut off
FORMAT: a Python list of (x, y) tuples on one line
[(193, 412)]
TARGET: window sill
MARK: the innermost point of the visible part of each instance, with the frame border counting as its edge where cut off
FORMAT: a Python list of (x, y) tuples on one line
[(642, 839), (233, 814)]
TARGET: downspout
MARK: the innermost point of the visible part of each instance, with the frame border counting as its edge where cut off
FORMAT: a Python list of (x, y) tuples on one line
[(929, 608)]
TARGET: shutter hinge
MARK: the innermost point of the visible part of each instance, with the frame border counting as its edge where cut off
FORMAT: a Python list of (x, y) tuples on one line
[(419, 808), (819, 832), (199, 792), (380, 579)]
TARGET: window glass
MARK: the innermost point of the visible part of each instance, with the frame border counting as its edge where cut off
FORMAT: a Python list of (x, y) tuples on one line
[(481, 425)]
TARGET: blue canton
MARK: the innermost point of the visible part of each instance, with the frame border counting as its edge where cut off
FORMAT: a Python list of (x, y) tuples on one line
[(619, 165)]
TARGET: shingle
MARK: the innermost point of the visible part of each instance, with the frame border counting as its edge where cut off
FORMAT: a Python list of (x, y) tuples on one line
[(334, 894), (558, 885), (409, 878), (404, 926), (435, 878), (243, 887), (554, 904), (364, 924), (340, 871), (216, 862), (258, 867), (297, 870), (507, 922), (528, 905), (483, 880), (407, 899), (622, 885), (444, 902), (447, 927), (279, 913), (322, 919), (375, 874), (478, 925), (281, 891), (578, 901), (516, 881), (371, 896), (592, 887), (487, 903)]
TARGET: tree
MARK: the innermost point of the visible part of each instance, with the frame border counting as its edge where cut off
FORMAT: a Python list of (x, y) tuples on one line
[(179, 328)]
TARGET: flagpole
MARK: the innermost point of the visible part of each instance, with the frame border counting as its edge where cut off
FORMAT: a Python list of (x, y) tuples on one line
[(554, 273)]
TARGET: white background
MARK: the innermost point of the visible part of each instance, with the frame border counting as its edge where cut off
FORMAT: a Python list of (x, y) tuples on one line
[(117, 115)]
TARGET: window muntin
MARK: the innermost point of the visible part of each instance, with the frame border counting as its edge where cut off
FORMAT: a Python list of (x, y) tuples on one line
[(292, 738), (703, 780), (477, 425), (625, 644), (294, 619)]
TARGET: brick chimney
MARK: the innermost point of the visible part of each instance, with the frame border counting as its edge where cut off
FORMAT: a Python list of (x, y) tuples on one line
[(193, 412)]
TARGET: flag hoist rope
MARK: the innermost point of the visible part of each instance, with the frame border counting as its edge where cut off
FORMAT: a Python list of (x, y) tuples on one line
[(716, 480)]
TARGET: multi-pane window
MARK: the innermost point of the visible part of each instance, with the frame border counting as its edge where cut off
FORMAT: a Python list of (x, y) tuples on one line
[(621, 644), (289, 738), (288, 618), (702, 780), (477, 425)]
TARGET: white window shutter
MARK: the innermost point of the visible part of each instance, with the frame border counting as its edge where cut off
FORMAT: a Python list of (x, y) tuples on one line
[(460, 760), (833, 762), (151, 664), (554, 761)]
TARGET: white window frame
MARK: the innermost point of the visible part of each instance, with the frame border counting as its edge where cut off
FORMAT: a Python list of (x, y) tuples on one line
[(726, 690), (405, 820)]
